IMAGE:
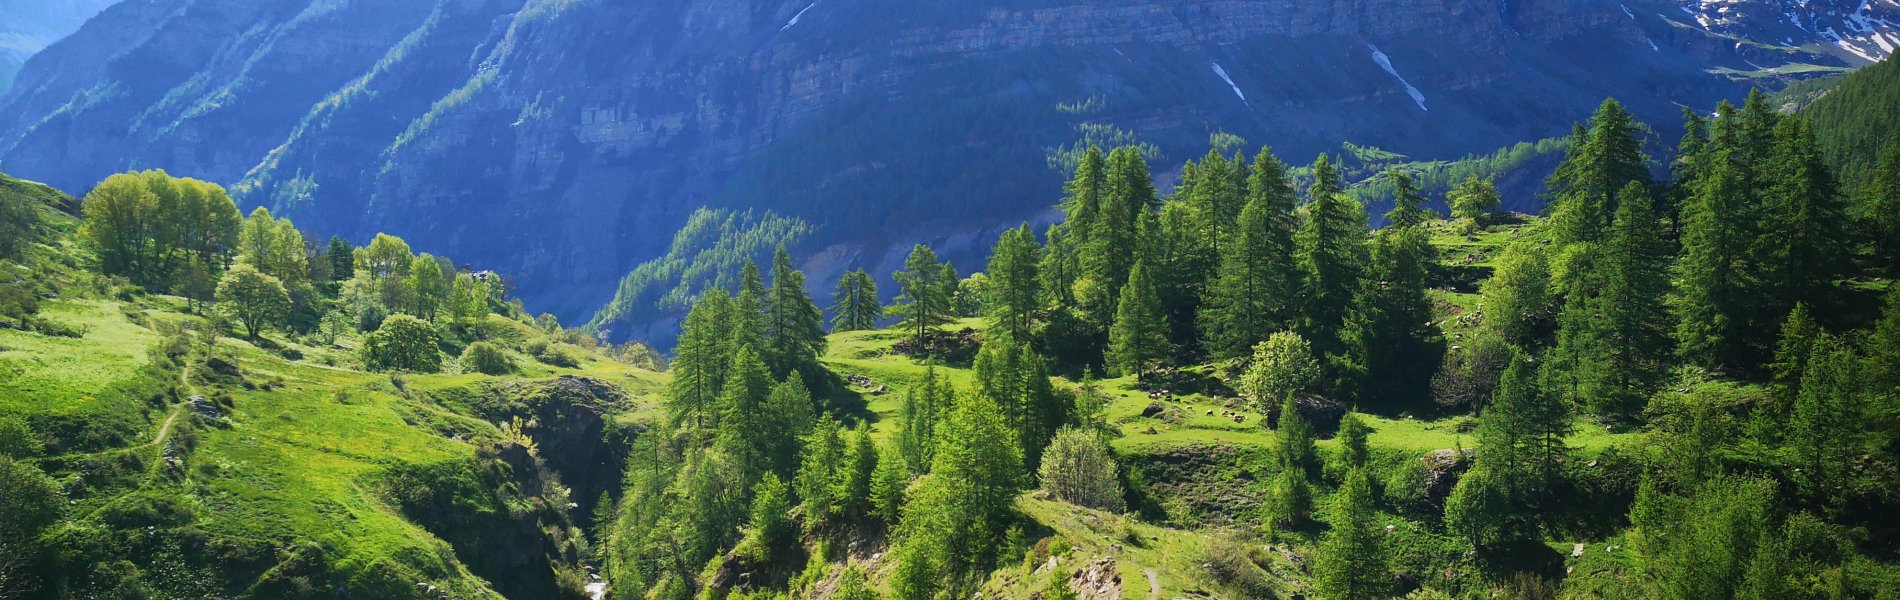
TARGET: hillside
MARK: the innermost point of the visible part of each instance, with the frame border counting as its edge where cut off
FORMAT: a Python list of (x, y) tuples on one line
[(606, 124)]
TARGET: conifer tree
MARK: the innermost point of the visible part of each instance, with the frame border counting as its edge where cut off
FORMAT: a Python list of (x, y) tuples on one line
[(1351, 564), (742, 430), (748, 309), (922, 304), (1331, 253), (924, 405), (1255, 282), (795, 327), (780, 425), (342, 259), (700, 361), (1711, 297), (1596, 167), (1290, 496), (1059, 268), (1015, 286), (1108, 253), (1880, 210), (854, 479), (888, 483), (1139, 338), (1389, 340), (820, 469), (855, 305), (1408, 206), (1825, 432), (1802, 245), (1625, 357)]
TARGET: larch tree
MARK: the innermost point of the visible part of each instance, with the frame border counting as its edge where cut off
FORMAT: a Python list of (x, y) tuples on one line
[(1351, 563), (1138, 340), (1015, 286), (922, 302), (855, 305), (1598, 164), (1254, 282), (795, 328), (1330, 250)]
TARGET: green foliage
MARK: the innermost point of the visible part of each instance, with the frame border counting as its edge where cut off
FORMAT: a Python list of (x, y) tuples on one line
[(855, 305), (1281, 367), (1474, 199), (403, 343), (888, 483), (1330, 250), (1078, 468), (1856, 117), (255, 299), (148, 226), (1015, 294), (1138, 341), (486, 358), (707, 254), (1351, 562), (1255, 282), (1584, 190), (428, 288), (923, 302), (387, 256)]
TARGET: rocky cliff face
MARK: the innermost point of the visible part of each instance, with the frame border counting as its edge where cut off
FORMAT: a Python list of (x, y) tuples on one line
[(561, 140), (26, 26)]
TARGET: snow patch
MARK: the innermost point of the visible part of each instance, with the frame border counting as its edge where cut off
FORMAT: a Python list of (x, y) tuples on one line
[(1230, 81), (796, 17), (1626, 11), (1385, 62), (1652, 44)]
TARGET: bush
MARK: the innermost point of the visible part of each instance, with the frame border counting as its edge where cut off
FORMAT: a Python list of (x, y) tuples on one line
[(403, 343), (560, 355), (1078, 468), (487, 359)]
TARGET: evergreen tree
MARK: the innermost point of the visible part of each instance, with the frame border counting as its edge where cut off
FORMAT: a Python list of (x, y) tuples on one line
[(1597, 166), (1408, 206), (1290, 496), (855, 306), (342, 258), (749, 327), (1802, 245), (1255, 282), (1331, 253), (1351, 563), (1625, 322), (956, 519), (1798, 336), (924, 404), (1710, 302), (700, 361), (820, 470), (1353, 451), (1139, 338), (854, 479), (888, 483), (1880, 210), (1825, 432), (1015, 286), (1390, 344), (742, 430), (795, 328), (1107, 254), (1059, 268), (923, 304), (780, 425)]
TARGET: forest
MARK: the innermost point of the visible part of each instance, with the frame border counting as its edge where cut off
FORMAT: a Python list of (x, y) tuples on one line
[(1680, 380)]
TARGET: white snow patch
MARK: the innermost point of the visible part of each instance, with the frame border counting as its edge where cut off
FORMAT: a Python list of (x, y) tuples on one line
[(796, 17), (1385, 62), (1626, 11), (1230, 81), (1652, 44)]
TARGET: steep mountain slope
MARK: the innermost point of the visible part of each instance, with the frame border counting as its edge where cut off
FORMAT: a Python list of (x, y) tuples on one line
[(26, 26), (563, 140)]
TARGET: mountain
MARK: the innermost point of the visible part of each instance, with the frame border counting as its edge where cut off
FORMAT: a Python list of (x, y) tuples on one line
[(26, 26), (562, 141)]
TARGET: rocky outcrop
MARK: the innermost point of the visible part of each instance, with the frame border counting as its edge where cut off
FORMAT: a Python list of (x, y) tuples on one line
[(561, 141)]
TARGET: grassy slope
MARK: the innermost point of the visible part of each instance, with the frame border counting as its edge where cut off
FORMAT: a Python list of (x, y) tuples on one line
[(301, 461)]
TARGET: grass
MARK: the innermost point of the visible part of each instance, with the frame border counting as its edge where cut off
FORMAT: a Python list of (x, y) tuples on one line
[(47, 375)]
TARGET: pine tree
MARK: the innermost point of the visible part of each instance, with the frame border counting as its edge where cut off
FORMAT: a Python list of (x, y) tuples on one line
[(700, 361), (1353, 451), (1825, 432), (1290, 496), (819, 471), (1802, 245), (1015, 286), (1628, 321), (888, 483), (924, 405), (1331, 253), (1880, 210), (1710, 301), (1255, 282), (342, 259), (1107, 254), (1389, 327), (1408, 207), (855, 305), (781, 423), (795, 328), (1798, 336), (1139, 338), (1597, 166), (922, 304), (1352, 558), (855, 474), (742, 430), (1058, 270)]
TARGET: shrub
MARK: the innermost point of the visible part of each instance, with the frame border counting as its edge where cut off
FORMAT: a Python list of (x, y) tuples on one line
[(403, 343), (1078, 468), (487, 359)]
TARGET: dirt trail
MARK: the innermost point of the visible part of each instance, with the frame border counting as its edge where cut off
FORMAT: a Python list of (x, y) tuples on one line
[(1154, 584)]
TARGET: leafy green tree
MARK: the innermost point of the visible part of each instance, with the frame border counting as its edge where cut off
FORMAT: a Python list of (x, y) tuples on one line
[(274, 247), (1521, 446), (1517, 303), (1079, 468), (385, 256), (1282, 366), (1255, 282), (795, 328), (254, 299), (956, 519), (403, 343), (856, 473), (428, 287), (922, 303), (855, 306), (1474, 199), (147, 226), (782, 422), (1598, 164), (469, 297), (1015, 283), (767, 529), (1351, 563), (1699, 545), (1139, 338), (486, 358)]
